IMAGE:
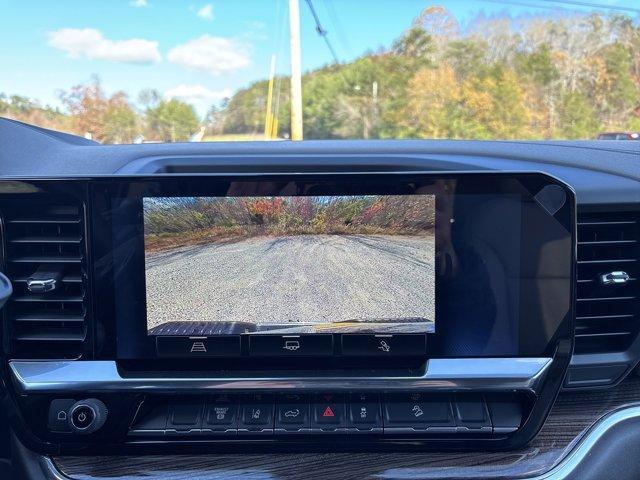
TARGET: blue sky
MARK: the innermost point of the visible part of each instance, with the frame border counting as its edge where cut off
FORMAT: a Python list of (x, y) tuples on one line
[(204, 50)]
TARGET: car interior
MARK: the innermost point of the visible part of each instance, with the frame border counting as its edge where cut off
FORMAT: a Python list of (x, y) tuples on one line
[(179, 302)]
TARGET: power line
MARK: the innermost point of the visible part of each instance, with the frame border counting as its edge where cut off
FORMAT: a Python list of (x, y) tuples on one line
[(337, 24), (321, 31), (594, 5), (560, 4)]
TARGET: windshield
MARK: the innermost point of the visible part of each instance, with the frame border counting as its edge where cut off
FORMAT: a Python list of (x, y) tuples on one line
[(133, 71)]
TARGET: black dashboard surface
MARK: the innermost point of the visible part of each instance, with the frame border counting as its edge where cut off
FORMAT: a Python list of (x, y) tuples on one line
[(599, 171)]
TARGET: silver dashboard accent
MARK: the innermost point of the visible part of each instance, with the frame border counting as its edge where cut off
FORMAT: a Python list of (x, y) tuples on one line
[(584, 447), (41, 286), (615, 278), (103, 376)]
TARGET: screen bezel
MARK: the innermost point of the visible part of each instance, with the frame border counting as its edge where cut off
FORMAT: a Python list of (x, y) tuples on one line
[(103, 191)]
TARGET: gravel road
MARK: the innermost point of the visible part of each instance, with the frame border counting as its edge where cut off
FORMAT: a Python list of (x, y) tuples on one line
[(310, 278)]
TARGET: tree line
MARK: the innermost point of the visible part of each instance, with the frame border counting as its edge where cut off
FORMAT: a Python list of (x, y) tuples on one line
[(89, 111), (526, 78), (171, 222)]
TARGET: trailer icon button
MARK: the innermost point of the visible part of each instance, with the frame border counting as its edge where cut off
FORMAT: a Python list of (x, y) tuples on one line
[(291, 345)]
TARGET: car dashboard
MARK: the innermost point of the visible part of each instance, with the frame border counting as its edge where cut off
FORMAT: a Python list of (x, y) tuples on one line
[(507, 270)]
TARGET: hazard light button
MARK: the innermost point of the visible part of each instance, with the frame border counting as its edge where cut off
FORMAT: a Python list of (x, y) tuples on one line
[(328, 412)]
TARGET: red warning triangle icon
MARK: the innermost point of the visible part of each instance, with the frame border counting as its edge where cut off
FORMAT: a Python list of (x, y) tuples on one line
[(328, 412)]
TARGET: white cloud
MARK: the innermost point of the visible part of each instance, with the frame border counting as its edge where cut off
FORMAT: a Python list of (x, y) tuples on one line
[(199, 96), (206, 12), (215, 55), (196, 93), (91, 43), (138, 3)]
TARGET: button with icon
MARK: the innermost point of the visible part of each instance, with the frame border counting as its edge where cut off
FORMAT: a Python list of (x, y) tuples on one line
[(311, 345), (82, 417), (328, 412), (364, 411), (59, 415), (292, 413), (382, 345), (185, 347), (256, 414)]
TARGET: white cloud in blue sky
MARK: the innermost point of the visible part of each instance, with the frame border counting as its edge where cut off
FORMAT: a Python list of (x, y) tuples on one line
[(91, 44), (199, 96), (215, 55), (206, 12), (138, 3)]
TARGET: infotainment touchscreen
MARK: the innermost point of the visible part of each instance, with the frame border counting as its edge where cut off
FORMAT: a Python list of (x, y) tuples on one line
[(403, 265), (290, 264)]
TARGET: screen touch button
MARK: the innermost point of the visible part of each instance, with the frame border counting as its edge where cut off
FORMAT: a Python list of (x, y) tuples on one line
[(313, 345), (407, 344), (185, 347)]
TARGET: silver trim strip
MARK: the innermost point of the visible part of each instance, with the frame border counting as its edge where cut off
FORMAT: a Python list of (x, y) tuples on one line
[(441, 374), (584, 446)]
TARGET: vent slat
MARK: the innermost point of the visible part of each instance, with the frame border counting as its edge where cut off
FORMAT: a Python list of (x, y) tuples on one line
[(48, 318), (44, 298), (608, 242), (44, 238), (604, 317), (604, 299), (50, 337), (70, 278), (604, 334), (44, 221), (607, 315), (610, 260), (43, 259), (605, 223), (54, 240)]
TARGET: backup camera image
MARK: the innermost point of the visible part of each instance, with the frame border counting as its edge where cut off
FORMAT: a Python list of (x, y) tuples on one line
[(230, 265)]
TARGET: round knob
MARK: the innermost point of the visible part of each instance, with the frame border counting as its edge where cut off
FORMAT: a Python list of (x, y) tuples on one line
[(87, 416)]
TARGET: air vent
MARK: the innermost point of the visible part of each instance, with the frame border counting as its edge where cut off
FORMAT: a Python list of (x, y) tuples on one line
[(45, 260), (608, 270)]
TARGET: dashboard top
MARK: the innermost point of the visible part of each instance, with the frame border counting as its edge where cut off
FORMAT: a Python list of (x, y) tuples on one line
[(600, 172)]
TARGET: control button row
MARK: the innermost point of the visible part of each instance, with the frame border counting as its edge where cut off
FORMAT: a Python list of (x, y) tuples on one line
[(311, 345), (331, 413)]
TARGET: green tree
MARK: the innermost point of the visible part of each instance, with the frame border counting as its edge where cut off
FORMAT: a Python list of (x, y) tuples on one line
[(172, 120), (578, 119)]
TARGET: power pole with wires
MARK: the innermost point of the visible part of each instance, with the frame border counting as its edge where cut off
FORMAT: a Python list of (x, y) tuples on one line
[(296, 70)]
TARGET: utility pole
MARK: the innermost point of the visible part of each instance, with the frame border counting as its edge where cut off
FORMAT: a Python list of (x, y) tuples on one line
[(296, 70)]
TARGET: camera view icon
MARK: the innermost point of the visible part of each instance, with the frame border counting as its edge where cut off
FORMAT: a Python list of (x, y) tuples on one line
[(198, 347)]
